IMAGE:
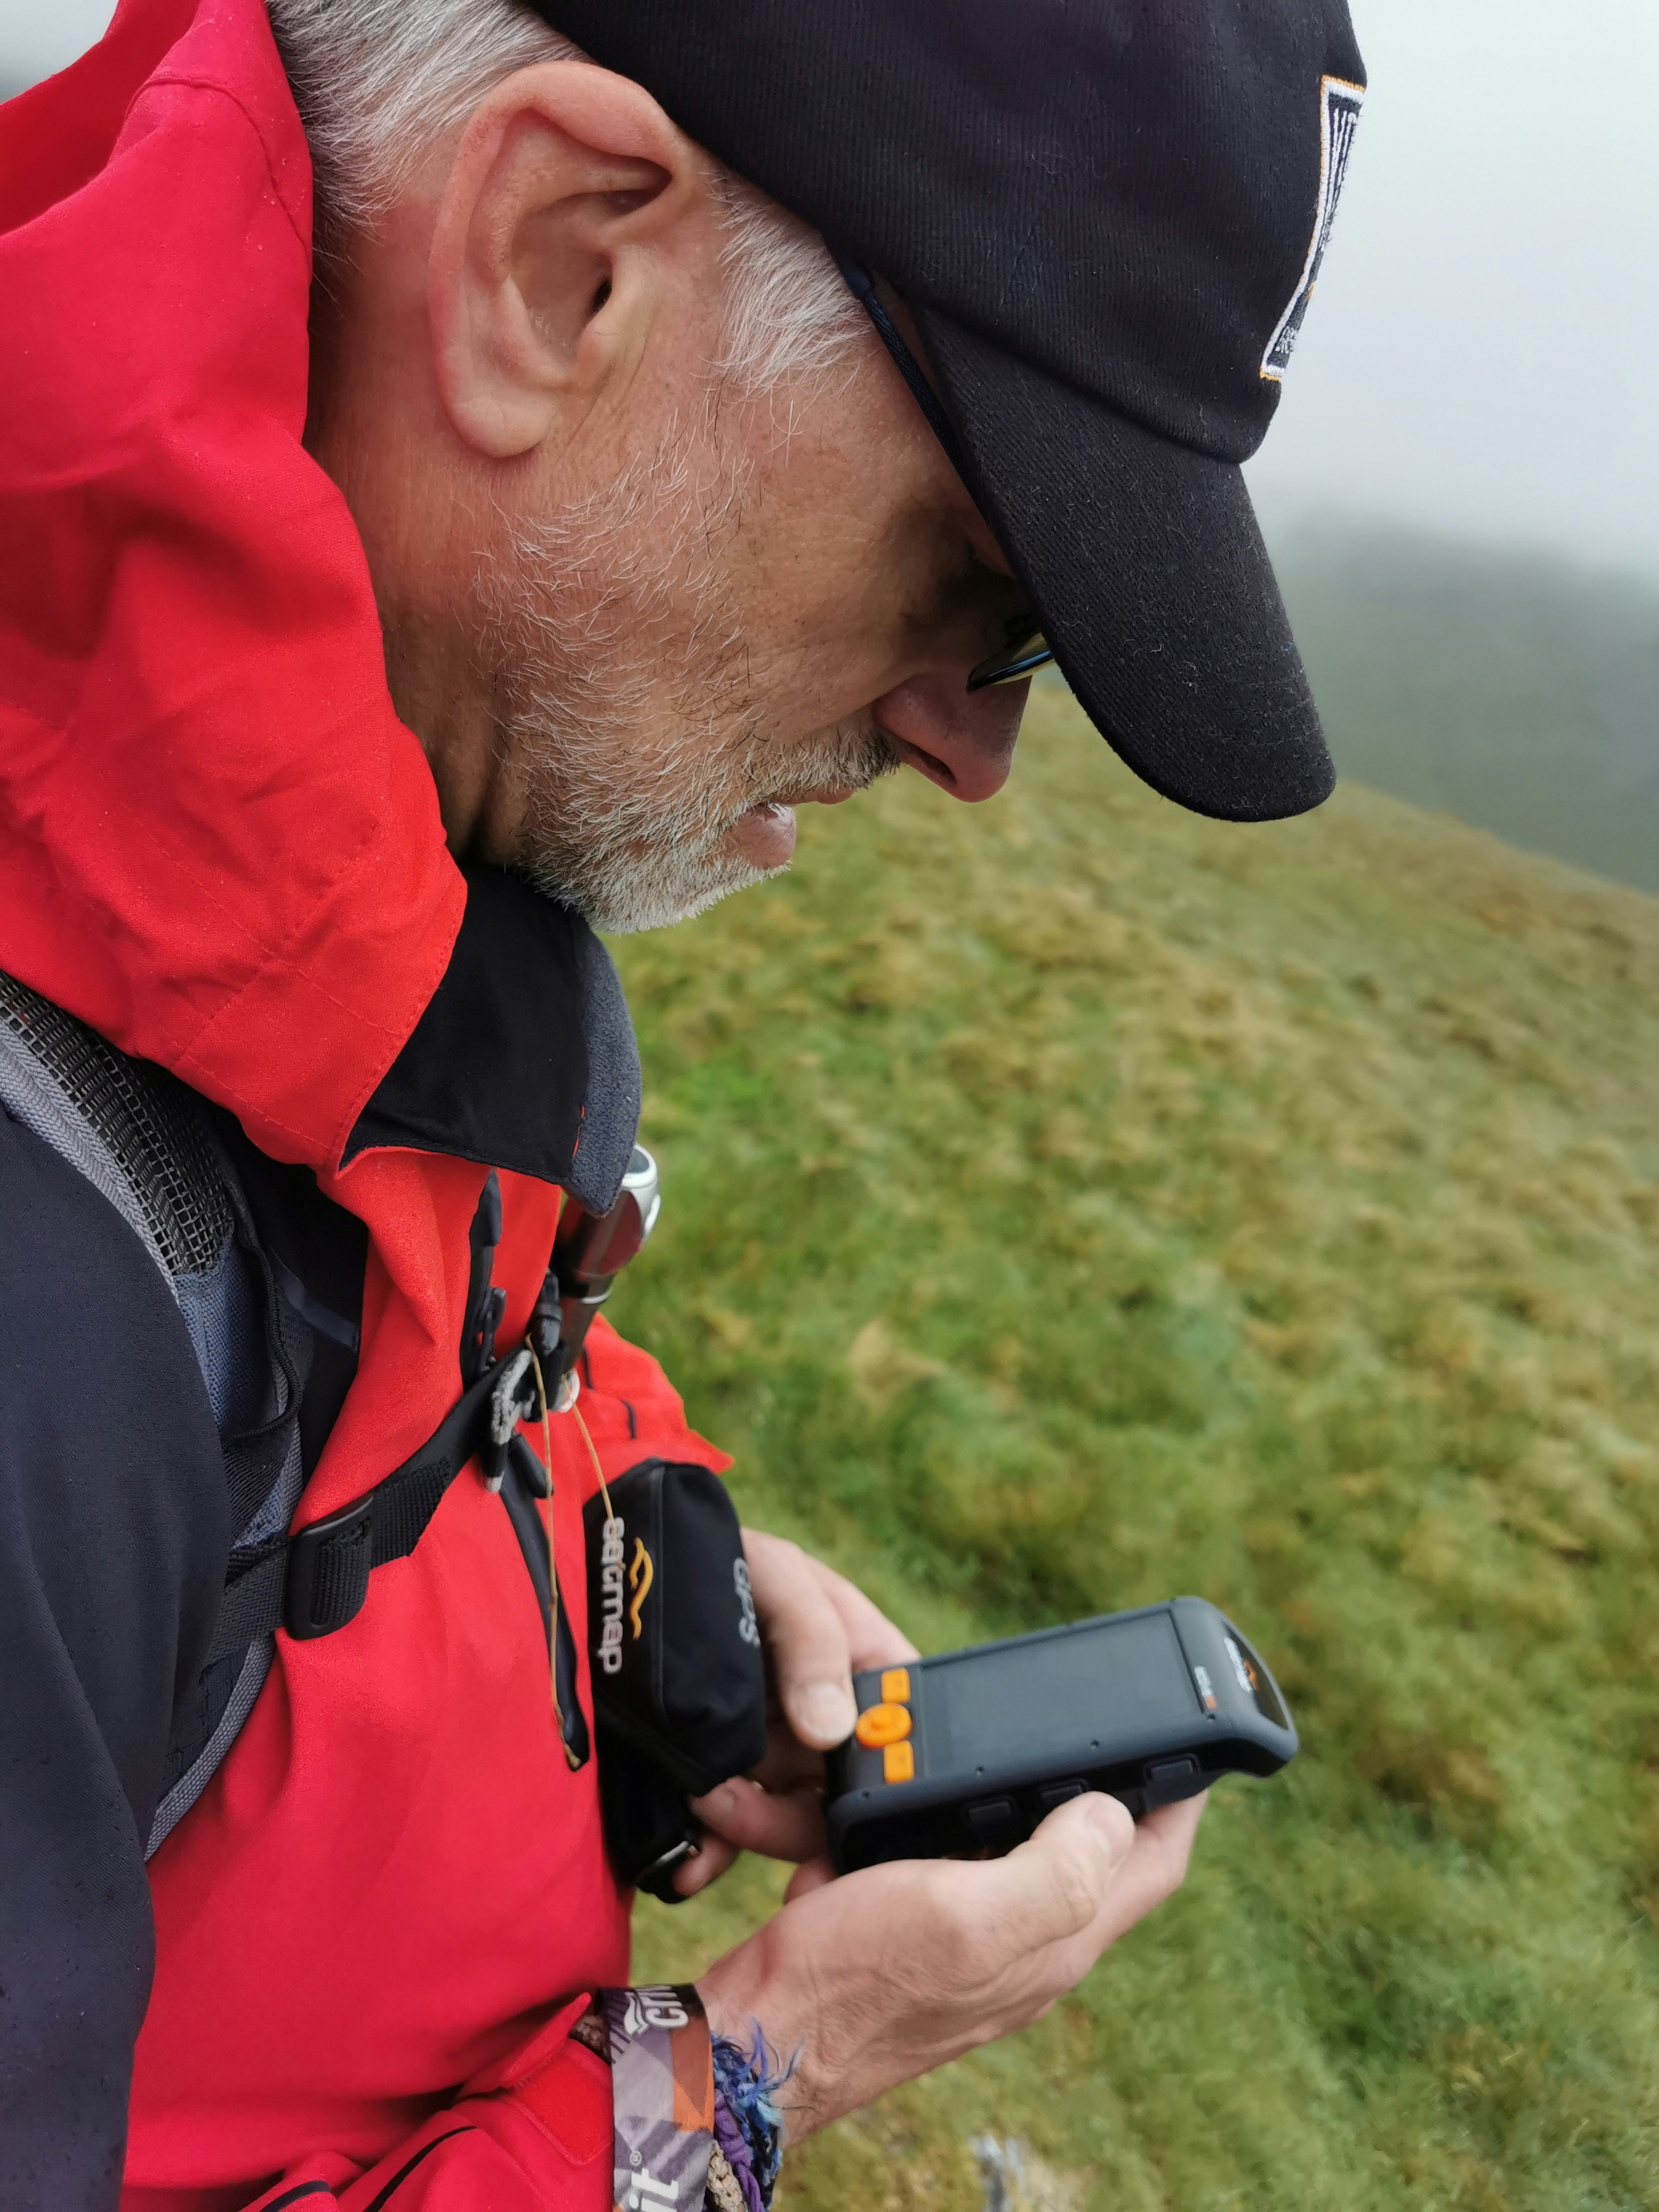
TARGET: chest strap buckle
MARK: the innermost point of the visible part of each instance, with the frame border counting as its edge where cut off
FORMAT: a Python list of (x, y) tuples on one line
[(328, 1566)]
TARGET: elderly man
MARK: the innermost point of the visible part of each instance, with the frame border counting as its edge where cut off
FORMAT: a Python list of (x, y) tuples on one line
[(396, 588)]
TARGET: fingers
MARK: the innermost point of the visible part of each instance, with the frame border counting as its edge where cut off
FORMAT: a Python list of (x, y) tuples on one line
[(872, 1638), (751, 1818), (818, 1627), (1152, 1870), (1029, 1927), (707, 1864), (810, 1875), (740, 1816), (1079, 1854), (1086, 1876), (1054, 1888), (1155, 1868), (807, 1636), (1082, 1880), (788, 1763), (897, 1969)]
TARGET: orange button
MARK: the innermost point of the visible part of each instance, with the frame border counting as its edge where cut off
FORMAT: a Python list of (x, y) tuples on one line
[(895, 1686), (898, 1763), (882, 1724)]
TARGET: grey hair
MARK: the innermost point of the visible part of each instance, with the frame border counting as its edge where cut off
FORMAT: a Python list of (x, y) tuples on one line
[(379, 82)]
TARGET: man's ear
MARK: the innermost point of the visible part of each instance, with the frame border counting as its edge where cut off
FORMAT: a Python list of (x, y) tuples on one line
[(572, 200)]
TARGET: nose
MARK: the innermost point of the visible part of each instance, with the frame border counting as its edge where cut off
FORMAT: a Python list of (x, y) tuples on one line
[(962, 740)]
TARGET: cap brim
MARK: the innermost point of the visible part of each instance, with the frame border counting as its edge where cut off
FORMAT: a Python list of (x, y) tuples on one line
[(1155, 589)]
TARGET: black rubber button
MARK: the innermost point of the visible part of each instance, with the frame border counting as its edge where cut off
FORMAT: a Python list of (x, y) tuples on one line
[(1059, 1793), (992, 1820), (1171, 1770)]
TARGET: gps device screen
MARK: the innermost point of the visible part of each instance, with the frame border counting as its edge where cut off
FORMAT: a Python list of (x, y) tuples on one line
[(987, 1700), (966, 1752)]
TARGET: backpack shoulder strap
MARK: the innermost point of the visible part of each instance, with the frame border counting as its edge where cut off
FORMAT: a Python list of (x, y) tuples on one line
[(126, 1127), (146, 1142), (142, 1139)]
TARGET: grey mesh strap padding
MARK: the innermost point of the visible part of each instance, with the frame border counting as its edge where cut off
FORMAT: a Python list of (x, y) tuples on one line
[(138, 1137), (130, 1130)]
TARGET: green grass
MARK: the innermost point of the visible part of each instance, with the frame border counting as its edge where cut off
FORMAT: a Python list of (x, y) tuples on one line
[(1070, 1203)]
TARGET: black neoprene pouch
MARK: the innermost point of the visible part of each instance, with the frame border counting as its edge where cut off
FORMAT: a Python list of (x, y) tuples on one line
[(680, 1686)]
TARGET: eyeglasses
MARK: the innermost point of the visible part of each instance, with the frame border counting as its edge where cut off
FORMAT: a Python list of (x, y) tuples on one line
[(1025, 648)]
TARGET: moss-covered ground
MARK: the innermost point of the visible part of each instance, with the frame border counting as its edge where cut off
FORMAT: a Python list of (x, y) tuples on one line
[(1070, 1203)]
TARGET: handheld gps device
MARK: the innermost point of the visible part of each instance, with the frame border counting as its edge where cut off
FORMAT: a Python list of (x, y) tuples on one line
[(962, 1755)]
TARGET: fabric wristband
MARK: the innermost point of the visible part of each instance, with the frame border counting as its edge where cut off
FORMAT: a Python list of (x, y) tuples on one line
[(663, 2097), (747, 2125)]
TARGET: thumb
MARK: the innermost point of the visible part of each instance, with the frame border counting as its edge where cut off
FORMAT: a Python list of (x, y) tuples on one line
[(1059, 1879), (807, 1640)]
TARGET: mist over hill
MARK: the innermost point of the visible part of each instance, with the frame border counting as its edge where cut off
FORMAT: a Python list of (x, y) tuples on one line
[(1517, 692)]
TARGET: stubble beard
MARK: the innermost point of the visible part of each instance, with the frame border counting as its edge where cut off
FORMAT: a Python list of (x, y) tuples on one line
[(616, 650)]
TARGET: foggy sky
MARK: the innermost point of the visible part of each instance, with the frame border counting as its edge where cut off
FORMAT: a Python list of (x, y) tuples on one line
[(1481, 353)]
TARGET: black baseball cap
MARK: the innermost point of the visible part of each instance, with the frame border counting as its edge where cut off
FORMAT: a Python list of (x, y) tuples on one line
[(1107, 218)]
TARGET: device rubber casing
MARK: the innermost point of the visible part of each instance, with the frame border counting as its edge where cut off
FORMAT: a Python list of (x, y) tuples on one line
[(1150, 1706)]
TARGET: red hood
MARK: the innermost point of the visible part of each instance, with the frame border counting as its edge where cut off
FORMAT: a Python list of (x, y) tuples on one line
[(218, 845)]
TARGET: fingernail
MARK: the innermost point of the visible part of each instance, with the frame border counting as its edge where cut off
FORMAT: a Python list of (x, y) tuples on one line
[(827, 1711)]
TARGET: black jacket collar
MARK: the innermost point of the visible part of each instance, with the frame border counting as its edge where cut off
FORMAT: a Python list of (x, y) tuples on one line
[(524, 1057)]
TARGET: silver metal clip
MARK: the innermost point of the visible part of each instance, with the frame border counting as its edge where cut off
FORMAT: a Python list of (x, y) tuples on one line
[(505, 1414)]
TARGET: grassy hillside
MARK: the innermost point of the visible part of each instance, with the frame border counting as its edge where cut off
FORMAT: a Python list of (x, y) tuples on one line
[(1070, 1203), (1519, 693)]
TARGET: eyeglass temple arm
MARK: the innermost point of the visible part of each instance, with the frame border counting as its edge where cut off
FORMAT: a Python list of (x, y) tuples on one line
[(1001, 668), (862, 285)]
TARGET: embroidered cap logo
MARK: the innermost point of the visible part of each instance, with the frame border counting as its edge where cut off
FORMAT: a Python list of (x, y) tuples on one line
[(1340, 103)]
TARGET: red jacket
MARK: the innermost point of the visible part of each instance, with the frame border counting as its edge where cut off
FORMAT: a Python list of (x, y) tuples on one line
[(220, 847)]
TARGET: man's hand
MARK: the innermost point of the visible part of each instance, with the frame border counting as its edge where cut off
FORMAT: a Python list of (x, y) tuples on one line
[(889, 1972), (866, 1981), (817, 1629)]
